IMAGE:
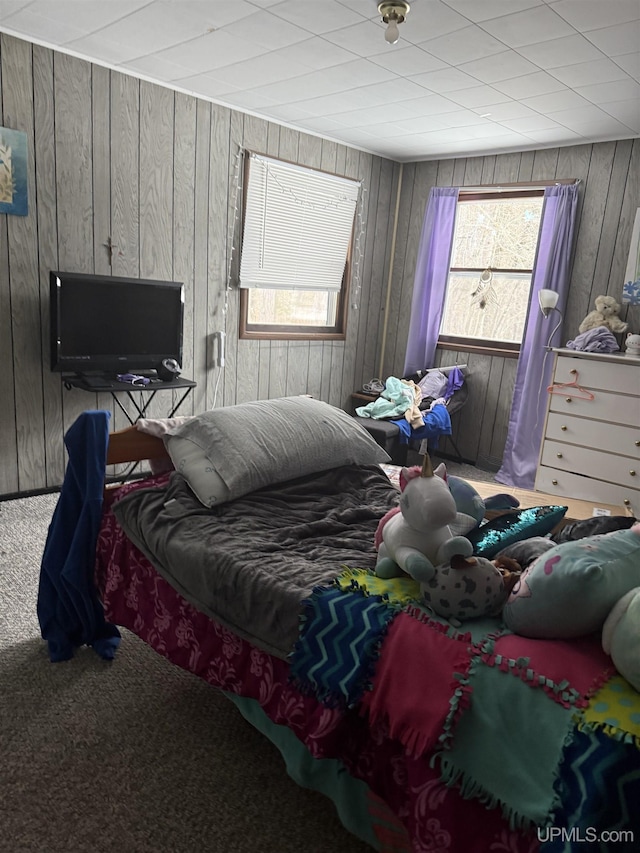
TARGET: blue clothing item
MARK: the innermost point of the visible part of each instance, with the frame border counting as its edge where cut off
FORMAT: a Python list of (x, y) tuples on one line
[(436, 423), (69, 609)]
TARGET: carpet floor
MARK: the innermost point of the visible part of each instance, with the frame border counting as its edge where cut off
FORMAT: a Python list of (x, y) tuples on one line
[(132, 756)]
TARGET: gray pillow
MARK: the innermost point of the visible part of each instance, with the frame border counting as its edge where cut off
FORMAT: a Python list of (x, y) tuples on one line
[(228, 452)]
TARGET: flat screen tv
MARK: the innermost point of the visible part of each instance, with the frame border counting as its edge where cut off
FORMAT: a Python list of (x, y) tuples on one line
[(110, 324)]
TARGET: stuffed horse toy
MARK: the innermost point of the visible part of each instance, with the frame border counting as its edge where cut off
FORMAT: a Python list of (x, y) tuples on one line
[(418, 538)]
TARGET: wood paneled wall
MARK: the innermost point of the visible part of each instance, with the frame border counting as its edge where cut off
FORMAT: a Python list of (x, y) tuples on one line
[(112, 156), (609, 174)]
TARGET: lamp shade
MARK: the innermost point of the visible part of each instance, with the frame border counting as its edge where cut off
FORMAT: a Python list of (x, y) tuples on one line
[(548, 300)]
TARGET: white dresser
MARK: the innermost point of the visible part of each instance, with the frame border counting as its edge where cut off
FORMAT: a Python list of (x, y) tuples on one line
[(591, 447)]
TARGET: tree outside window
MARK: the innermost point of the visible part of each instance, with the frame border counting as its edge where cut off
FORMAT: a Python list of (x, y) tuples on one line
[(489, 285)]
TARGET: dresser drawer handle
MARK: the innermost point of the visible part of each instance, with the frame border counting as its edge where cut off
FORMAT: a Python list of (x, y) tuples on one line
[(637, 443), (626, 502), (632, 472), (563, 428), (568, 399), (559, 455), (554, 482)]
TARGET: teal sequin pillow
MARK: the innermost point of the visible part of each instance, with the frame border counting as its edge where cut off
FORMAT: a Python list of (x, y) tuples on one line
[(511, 527)]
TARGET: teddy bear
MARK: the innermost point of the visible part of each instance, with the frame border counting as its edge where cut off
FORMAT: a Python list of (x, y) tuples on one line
[(419, 537), (605, 314)]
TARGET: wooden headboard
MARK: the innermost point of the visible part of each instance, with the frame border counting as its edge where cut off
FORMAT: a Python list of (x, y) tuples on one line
[(131, 445)]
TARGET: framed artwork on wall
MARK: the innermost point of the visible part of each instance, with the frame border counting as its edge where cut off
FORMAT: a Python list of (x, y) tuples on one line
[(13, 172), (631, 285)]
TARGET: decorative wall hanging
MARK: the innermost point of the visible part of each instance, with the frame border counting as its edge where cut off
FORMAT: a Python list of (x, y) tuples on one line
[(631, 285), (13, 172)]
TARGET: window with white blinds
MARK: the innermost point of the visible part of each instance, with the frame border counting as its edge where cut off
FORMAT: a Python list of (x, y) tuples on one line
[(297, 226)]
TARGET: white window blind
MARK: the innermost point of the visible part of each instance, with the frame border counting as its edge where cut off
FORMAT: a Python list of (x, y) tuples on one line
[(297, 226)]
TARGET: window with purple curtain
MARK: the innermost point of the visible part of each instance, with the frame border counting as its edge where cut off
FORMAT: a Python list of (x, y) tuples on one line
[(430, 282), (551, 270)]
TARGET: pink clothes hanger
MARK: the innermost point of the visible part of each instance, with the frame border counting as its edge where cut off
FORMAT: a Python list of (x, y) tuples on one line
[(578, 391)]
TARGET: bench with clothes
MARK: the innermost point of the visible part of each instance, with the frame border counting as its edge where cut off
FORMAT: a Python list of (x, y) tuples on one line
[(416, 410)]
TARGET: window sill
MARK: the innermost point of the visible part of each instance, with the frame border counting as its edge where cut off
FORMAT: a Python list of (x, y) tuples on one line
[(480, 349)]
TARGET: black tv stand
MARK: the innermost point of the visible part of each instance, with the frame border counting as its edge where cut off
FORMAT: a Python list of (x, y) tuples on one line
[(98, 382)]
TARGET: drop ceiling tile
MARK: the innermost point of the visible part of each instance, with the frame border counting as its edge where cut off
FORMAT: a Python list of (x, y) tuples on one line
[(561, 136), (554, 101), (321, 125), (628, 112), (211, 51), (529, 85), (587, 73), (421, 124), (476, 12), (264, 29), (386, 130), (532, 122), (463, 46), (205, 85), (610, 128), (372, 115), (317, 52), (290, 112), (347, 101), (338, 78), (268, 68), (431, 105), (316, 18), (158, 68), (562, 51), (155, 27), (408, 61), (447, 79), (500, 66), (629, 62), (461, 118), (42, 28), (528, 27), (85, 17), (478, 96), (602, 93), (579, 116), (617, 40), (364, 39), (9, 7), (506, 110), (594, 14), (248, 100)]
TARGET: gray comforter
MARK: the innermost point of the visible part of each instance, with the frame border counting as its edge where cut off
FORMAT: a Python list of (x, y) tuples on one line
[(249, 563)]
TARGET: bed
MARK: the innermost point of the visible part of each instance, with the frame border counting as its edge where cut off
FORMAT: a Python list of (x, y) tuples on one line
[(427, 737)]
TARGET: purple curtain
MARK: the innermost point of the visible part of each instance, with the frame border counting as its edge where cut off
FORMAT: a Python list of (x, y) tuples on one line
[(551, 270), (430, 282)]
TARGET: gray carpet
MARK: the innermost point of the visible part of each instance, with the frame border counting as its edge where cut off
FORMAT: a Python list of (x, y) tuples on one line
[(132, 756)]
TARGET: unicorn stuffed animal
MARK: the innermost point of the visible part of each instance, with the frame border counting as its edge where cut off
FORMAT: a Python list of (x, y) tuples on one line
[(418, 538)]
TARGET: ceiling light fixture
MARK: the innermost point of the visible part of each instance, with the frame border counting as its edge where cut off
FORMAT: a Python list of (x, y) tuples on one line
[(393, 13)]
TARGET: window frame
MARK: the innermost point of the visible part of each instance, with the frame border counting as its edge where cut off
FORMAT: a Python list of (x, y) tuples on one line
[(487, 346), (271, 331)]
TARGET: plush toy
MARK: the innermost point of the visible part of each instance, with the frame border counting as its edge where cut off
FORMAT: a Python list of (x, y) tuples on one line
[(465, 588), (621, 636), (583, 586), (632, 344), (418, 537), (605, 314)]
